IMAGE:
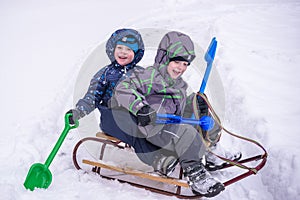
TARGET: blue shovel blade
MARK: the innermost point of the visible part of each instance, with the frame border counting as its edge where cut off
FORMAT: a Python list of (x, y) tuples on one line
[(211, 51)]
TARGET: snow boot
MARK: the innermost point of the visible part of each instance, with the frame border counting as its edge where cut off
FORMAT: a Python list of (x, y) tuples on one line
[(165, 165), (201, 181), (213, 163)]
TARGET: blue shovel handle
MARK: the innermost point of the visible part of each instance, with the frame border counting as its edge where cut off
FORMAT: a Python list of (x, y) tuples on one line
[(206, 122)]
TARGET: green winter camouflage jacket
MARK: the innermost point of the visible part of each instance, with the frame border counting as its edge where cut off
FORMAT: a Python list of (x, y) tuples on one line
[(153, 86)]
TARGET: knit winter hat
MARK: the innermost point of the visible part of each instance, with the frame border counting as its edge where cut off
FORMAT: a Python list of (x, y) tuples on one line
[(130, 41)]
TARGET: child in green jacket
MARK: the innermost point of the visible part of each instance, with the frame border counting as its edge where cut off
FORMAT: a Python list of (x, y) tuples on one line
[(161, 89)]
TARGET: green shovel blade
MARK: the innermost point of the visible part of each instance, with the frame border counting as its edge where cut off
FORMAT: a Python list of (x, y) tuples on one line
[(39, 176)]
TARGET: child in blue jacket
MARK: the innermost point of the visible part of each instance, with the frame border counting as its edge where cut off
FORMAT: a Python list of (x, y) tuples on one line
[(125, 48)]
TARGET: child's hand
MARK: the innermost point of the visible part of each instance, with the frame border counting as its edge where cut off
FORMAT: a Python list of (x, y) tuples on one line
[(202, 105), (146, 115), (74, 117)]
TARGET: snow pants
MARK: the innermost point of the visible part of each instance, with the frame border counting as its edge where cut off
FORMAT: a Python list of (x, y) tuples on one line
[(122, 125), (180, 140)]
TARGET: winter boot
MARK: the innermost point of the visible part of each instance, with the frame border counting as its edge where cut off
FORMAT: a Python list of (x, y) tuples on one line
[(201, 182), (213, 163), (165, 165)]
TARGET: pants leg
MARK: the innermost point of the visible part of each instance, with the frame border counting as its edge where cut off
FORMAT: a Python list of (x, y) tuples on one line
[(122, 125), (182, 139)]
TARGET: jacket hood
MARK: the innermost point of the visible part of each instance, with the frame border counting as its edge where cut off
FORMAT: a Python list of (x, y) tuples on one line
[(173, 44), (118, 36)]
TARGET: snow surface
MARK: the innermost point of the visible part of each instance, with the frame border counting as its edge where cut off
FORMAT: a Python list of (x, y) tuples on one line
[(44, 44)]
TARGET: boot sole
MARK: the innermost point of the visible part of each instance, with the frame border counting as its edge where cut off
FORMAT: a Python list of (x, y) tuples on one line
[(215, 190)]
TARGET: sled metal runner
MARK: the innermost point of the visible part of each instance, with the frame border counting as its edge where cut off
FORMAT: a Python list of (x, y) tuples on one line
[(179, 182)]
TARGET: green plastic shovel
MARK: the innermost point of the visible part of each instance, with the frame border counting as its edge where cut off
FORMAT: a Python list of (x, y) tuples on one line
[(39, 175)]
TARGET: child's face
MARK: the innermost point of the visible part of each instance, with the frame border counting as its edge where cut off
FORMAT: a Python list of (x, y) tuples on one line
[(177, 68), (123, 54)]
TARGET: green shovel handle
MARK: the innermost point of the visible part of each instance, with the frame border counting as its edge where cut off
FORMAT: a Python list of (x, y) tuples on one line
[(67, 122), (62, 137)]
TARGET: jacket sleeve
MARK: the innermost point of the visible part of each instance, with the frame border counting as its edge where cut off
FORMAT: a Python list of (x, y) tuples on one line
[(129, 93), (94, 94)]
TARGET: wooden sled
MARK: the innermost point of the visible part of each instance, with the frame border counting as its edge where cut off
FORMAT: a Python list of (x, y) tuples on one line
[(178, 183), (99, 165)]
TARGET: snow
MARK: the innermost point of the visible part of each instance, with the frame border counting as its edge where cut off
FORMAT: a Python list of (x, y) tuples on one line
[(45, 43)]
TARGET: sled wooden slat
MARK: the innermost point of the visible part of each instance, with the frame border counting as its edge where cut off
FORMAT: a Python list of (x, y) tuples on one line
[(107, 137), (168, 180)]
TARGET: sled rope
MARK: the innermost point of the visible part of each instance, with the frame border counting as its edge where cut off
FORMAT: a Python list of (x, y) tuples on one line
[(218, 121), (204, 134)]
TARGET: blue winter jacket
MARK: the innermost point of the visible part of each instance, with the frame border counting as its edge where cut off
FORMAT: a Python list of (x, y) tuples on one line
[(105, 80)]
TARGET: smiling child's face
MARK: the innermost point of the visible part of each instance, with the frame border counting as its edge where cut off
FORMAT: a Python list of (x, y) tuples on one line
[(177, 68), (123, 55)]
